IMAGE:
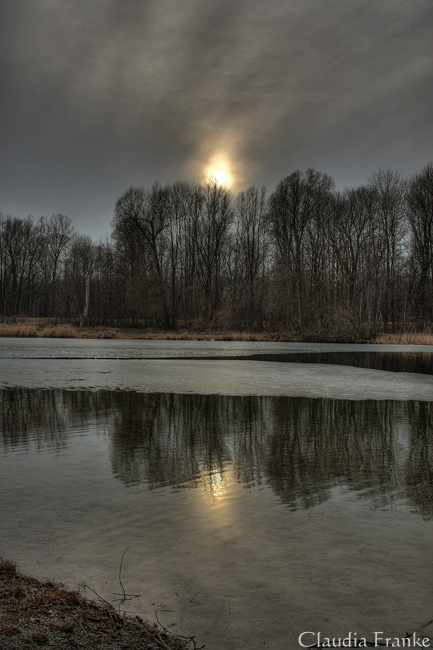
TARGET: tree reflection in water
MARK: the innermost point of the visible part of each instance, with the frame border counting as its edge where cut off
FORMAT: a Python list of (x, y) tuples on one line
[(300, 447), (419, 464)]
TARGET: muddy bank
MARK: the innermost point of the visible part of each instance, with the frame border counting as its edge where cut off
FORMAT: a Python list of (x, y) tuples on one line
[(38, 614)]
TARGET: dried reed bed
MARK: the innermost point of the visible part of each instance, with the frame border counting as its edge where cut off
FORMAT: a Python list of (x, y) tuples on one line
[(207, 336), (110, 334), (402, 338), (51, 330), (59, 332), (406, 338), (18, 331)]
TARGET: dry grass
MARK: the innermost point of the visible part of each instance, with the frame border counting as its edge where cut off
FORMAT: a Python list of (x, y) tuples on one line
[(42, 328), (110, 334), (59, 332), (193, 335), (49, 331), (208, 336), (172, 336), (243, 336), (18, 330), (37, 613), (406, 338)]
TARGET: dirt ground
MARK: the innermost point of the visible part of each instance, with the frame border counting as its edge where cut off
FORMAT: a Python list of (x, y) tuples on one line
[(36, 615)]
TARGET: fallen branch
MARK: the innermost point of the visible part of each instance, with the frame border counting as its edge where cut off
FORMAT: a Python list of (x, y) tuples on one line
[(189, 639), (124, 595)]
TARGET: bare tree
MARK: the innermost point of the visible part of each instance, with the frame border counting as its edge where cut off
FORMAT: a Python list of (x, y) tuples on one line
[(193, 200), (22, 246), (106, 280), (252, 247), (389, 199), (148, 214), (295, 202), (351, 233), (59, 231), (211, 236), (79, 267), (420, 215)]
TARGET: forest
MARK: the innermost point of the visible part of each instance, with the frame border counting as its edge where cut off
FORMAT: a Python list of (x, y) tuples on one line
[(304, 259)]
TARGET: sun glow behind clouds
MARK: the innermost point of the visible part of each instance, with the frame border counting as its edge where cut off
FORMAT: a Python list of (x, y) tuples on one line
[(219, 176), (218, 171)]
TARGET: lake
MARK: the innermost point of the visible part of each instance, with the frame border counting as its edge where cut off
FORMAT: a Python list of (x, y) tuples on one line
[(259, 490)]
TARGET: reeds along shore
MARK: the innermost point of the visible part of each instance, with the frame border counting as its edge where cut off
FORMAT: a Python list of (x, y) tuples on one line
[(69, 331)]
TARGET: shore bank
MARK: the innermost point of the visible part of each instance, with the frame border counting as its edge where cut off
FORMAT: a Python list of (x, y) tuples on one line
[(38, 614), (40, 329)]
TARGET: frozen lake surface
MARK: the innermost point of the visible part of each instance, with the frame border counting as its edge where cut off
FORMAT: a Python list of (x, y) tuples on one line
[(257, 498), (214, 368)]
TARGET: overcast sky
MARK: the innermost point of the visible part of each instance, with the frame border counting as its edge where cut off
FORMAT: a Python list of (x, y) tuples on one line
[(98, 95)]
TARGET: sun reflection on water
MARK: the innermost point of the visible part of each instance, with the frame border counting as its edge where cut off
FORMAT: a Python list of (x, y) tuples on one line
[(214, 486)]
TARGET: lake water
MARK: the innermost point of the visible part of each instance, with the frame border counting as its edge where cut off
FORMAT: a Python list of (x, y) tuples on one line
[(259, 495)]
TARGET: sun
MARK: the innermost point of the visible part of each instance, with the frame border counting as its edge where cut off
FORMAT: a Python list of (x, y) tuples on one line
[(219, 170), (219, 176)]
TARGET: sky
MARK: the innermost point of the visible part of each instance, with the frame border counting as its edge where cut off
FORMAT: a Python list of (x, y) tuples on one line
[(99, 95)]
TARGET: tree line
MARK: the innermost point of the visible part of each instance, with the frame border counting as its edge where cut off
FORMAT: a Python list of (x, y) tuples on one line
[(305, 259)]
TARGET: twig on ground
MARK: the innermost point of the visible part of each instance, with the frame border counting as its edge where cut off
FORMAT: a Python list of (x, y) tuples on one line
[(124, 595), (193, 599), (96, 594), (189, 639)]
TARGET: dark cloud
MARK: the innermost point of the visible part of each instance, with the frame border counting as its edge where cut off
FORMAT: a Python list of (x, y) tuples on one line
[(96, 96)]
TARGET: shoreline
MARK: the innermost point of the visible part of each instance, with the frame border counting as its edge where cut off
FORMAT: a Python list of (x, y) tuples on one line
[(41, 614), (30, 328)]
